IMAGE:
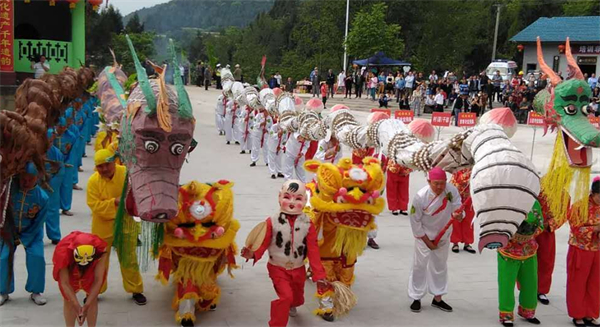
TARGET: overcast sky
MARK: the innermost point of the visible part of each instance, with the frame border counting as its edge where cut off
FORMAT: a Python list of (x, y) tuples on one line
[(128, 6)]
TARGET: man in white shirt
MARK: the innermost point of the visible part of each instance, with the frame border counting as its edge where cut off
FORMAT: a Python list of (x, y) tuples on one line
[(40, 68), (278, 78), (432, 208), (439, 100)]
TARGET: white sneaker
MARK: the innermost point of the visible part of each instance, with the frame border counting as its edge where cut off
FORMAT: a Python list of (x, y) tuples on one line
[(3, 299), (293, 312), (38, 299)]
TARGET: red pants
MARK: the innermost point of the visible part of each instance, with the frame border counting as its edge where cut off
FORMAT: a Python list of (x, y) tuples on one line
[(583, 283), (289, 285), (546, 254), (462, 231), (396, 189), (312, 150)]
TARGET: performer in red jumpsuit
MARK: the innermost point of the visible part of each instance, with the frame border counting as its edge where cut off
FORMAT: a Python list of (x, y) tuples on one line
[(290, 238), (80, 264)]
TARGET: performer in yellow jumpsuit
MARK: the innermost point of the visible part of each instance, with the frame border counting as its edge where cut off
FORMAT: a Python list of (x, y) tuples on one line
[(103, 196)]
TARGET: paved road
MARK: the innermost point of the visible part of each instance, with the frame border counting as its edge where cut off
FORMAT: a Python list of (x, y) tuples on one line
[(382, 275)]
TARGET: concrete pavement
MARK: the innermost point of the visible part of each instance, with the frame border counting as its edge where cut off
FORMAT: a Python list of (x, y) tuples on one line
[(381, 275)]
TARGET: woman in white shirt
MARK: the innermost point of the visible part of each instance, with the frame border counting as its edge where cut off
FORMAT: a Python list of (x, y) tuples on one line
[(340, 82), (417, 100)]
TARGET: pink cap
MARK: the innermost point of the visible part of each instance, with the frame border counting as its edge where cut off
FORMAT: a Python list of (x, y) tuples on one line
[(377, 116), (314, 104), (277, 91), (437, 174), (338, 106), (297, 100)]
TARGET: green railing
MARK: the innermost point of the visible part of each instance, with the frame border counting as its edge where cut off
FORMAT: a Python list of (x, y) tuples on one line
[(58, 54)]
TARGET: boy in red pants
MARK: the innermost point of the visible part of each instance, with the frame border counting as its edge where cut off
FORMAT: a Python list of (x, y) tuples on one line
[(546, 253), (462, 231), (397, 187), (290, 238)]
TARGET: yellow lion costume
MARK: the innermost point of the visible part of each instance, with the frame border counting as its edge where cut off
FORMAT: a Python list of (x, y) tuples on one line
[(345, 199), (198, 244)]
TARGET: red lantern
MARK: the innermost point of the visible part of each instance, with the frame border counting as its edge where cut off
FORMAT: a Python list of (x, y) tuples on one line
[(72, 3), (95, 3), (520, 47), (561, 48)]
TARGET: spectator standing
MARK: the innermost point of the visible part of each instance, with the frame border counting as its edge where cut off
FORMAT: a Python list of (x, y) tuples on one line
[(433, 77), (476, 104), (199, 73), (461, 104), (330, 82), (341, 82), (399, 86), (439, 100), (278, 78), (409, 82), (273, 82), (473, 86), (592, 81), (218, 77), (389, 83), (497, 83), (348, 85), (373, 82), (41, 67), (237, 73), (315, 80), (417, 99), (290, 85), (207, 75), (324, 88), (359, 81)]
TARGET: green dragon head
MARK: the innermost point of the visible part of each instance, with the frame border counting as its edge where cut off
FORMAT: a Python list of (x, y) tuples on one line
[(565, 105)]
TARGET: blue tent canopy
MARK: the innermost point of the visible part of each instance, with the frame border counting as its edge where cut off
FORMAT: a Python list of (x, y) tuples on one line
[(379, 59)]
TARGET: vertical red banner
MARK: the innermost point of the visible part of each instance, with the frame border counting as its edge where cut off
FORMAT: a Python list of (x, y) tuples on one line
[(6, 36)]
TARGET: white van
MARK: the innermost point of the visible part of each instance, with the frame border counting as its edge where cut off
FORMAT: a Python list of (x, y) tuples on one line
[(507, 68)]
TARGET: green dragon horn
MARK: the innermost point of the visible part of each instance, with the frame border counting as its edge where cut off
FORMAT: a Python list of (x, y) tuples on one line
[(185, 106), (142, 77)]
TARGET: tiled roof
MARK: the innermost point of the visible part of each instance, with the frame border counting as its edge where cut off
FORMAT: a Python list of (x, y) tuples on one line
[(556, 29)]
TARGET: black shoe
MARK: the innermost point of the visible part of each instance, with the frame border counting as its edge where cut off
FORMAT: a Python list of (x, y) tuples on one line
[(253, 164), (242, 152), (213, 307), (534, 321), (228, 143), (280, 175), (543, 299), (187, 323), (455, 248), (590, 322), (328, 317), (415, 306), (394, 212), (55, 242), (404, 213), (371, 243), (139, 299), (469, 249), (249, 151), (236, 142), (581, 324), (441, 305), (273, 176), (508, 323)]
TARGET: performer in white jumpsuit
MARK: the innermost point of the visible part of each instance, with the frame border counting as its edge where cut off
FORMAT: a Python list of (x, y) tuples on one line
[(329, 151), (275, 144), (293, 159), (230, 120), (258, 135), (243, 123), (432, 208), (220, 112)]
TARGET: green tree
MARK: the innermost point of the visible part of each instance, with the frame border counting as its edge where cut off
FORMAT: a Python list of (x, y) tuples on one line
[(100, 29), (144, 46), (370, 33), (134, 25), (581, 8)]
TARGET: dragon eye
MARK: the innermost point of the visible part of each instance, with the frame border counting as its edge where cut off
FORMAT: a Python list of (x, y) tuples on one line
[(585, 110), (570, 109), (176, 149), (151, 146)]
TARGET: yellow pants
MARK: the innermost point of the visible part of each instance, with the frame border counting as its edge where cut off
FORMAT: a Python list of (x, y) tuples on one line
[(336, 266), (132, 279)]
